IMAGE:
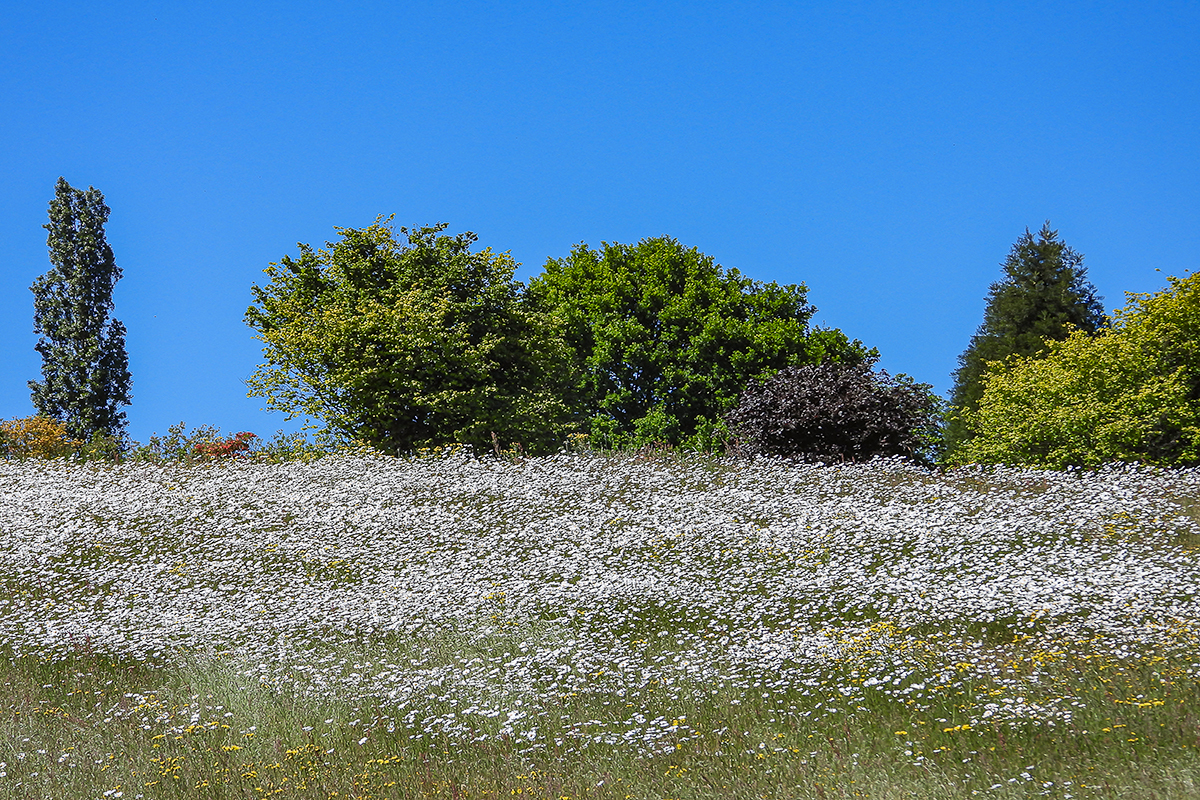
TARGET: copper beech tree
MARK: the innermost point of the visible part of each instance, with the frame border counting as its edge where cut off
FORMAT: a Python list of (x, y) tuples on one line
[(835, 412)]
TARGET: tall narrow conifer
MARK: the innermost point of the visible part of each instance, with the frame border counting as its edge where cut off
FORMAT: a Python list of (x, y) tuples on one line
[(85, 370), (1044, 295)]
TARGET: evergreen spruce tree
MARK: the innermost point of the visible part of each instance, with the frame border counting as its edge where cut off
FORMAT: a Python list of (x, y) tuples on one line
[(85, 370), (1044, 295)]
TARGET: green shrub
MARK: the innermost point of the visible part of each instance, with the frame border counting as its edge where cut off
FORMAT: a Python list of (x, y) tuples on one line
[(409, 342), (288, 447), (177, 445), (207, 443), (1129, 393), (102, 447)]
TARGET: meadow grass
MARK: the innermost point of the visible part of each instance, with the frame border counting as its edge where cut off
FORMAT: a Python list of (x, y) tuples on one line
[(589, 627)]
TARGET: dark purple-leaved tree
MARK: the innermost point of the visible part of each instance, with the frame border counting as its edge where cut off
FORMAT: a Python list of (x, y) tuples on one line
[(835, 412)]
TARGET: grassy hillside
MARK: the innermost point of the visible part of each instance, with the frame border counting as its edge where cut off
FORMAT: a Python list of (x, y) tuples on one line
[(579, 626)]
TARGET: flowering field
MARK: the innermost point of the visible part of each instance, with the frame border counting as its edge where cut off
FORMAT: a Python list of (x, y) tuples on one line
[(581, 626)]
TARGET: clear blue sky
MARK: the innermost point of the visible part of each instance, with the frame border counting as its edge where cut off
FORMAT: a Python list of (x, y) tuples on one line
[(885, 154)]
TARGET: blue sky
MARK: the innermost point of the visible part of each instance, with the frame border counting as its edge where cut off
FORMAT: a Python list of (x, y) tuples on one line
[(885, 154)]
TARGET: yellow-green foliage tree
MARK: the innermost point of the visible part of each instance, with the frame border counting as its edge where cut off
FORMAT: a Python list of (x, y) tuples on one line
[(1129, 393), (1043, 296), (36, 437), (408, 344)]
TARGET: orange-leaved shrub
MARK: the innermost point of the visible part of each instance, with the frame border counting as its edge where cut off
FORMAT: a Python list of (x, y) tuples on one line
[(36, 437), (236, 445)]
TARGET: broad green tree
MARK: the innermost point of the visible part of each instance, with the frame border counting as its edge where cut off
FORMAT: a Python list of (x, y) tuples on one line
[(410, 343), (1129, 393), (1043, 296), (85, 369), (665, 339)]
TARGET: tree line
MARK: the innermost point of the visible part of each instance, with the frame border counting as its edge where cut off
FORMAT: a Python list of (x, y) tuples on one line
[(1049, 381), (410, 338), (403, 339)]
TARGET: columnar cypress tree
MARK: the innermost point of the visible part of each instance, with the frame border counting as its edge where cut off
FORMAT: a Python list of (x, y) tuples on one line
[(1044, 295), (85, 370)]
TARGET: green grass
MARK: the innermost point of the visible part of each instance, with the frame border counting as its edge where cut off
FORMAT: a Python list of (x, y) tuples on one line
[(88, 725)]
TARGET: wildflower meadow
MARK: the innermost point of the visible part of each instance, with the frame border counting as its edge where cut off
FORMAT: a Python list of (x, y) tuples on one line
[(587, 626)]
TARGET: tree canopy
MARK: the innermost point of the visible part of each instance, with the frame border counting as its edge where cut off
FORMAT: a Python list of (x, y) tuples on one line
[(85, 369), (1043, 296), (1129, 393), (665, 339), (838, 412), (408, 344)]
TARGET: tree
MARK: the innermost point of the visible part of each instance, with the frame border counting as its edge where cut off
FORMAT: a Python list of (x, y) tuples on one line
[(837, 412), (85, 370), (404, 345), (1043, 297), (1129, 393), (665, 339)]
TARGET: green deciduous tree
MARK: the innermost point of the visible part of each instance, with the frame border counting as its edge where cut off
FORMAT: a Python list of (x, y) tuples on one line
[(408, 344), (665, 339), (85, 370), (1043, 296), (1129, 393)]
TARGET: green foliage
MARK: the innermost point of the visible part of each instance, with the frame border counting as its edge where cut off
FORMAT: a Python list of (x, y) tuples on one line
[(837, 412), (285, 447), (1129, 393), (206, 443), (1043, 297), (665, 339), (409, 345), (103, 447), (178, 444), (85, 371), (47, 438)]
